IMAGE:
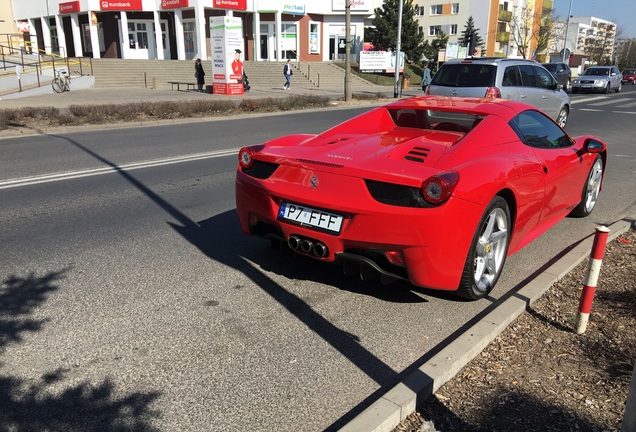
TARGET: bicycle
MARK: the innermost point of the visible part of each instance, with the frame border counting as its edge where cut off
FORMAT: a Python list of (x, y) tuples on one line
[(61, 82)]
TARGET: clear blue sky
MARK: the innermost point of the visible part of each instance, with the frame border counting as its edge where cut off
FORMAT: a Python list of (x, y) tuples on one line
[(622, 12)]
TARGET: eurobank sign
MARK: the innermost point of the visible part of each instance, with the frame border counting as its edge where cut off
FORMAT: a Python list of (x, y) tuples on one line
[(120, 5)]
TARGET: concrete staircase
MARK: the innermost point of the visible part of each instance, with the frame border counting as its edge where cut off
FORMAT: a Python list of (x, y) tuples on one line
[(111, 73)]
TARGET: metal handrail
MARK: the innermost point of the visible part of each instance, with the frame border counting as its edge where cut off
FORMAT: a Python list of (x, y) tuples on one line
[(309, 69)]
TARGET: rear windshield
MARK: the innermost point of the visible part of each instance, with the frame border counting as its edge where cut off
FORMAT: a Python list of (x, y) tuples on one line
[(465, 75), (550, 66), (629, 72), (435, 119)]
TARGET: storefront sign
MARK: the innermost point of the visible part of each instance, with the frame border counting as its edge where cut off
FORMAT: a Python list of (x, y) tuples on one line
[(23, 26), (69, 7), (226, 37), (294, 8), (230, 4), (356, 5), (174, 4), (121, 5)]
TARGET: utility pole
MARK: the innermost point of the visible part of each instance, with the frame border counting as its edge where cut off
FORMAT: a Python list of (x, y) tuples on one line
[(397, 52), (348, 50), (567, 27)]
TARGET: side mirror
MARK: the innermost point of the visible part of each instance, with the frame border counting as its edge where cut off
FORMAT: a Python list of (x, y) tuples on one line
[(593, 146)]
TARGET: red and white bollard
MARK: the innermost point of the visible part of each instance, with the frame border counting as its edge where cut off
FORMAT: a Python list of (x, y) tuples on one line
[(594, 268)]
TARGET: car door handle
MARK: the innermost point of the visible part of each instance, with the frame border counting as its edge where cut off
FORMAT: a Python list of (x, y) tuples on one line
[(545, 169), (522, 96), (544, 97)]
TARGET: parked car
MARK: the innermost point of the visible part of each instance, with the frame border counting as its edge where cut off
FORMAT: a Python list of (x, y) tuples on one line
[(433, 190), (519, 80), (629, 76), (599, 79), (562, 72)]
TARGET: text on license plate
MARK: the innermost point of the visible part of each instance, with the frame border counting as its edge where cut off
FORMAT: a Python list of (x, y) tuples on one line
[(310, 216)]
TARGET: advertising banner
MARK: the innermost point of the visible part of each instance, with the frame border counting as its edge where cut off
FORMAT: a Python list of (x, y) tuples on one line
[(356, 5), (380, 61), (226, 36)]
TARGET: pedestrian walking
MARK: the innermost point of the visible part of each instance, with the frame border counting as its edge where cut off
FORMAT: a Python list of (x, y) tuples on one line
[(426, 76), (199, 74), (288, 72)]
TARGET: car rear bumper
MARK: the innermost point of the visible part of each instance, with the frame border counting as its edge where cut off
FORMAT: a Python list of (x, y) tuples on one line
[(433, 242)]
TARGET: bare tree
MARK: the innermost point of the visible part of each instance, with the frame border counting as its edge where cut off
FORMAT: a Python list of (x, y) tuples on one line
[(532, 27)]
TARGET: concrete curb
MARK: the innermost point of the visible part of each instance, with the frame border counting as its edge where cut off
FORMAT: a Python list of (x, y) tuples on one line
[(402, 400)]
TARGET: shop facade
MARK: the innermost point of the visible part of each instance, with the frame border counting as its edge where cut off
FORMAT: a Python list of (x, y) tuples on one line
[(273, 30)]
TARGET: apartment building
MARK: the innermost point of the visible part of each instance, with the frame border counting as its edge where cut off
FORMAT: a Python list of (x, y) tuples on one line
[(508, 28), (273, 30), (585, 36)]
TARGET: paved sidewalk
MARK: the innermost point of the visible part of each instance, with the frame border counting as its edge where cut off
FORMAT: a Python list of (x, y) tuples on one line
[(83, 93)]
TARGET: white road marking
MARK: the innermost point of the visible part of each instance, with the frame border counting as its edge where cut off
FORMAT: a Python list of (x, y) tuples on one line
[(47, 178), (613, 101), (589, 99), (629, 105)]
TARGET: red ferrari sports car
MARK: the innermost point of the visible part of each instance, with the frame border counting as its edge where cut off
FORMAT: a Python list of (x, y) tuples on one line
[(433, 190)]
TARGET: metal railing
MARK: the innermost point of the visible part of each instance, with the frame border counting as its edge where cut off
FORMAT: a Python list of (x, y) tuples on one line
[(302, 63)]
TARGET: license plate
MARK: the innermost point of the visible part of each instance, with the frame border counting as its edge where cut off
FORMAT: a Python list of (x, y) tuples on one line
[(312, 217), (586, 85)]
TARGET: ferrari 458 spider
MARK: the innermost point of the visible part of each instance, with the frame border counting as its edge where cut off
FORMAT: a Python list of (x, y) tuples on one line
[(433, 190)]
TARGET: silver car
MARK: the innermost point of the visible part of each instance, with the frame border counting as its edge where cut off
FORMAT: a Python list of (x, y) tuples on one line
[(516, 79), (598, 79)]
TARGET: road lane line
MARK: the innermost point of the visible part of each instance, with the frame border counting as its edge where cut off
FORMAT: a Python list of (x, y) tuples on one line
[(613, 101), (47, 178)]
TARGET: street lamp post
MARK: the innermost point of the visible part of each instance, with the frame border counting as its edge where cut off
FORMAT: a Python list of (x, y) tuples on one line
[(397, 52), (567, 27)]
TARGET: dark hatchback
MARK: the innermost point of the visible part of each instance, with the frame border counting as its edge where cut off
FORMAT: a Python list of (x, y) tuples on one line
[(561, 72)]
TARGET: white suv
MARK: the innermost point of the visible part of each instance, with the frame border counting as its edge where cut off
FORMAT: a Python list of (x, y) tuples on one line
[(520, 80)]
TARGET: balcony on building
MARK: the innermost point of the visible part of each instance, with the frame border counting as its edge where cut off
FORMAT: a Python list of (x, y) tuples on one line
[(505, 16), (503, 37)]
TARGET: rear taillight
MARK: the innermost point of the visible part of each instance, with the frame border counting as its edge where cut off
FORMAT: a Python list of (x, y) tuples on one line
[(439, 188), (493, 92), (246, 157)]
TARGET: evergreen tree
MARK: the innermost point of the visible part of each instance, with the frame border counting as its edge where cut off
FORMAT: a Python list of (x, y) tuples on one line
[(431, 50), (469, 29), (384, 36)]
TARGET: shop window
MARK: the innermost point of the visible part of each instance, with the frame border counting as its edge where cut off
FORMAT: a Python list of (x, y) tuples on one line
[(314, 38), (87, 41)]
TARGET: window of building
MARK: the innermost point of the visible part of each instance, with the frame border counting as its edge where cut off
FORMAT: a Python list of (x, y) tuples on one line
[(419, 10), (434, 30), (86, 37), (436, 9), (190, 39), (420, 29), (503, 6), (455, 9), (453, 29), (314, 38)]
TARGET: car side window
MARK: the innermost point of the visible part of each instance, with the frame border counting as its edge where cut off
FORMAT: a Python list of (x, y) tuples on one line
[(536, 130), (544, 78), (528, 78), (511, 77)]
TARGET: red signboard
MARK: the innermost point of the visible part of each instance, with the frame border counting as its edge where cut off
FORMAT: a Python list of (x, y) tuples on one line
[(120, 5), (173, 4), (70, 7), (230, 4)]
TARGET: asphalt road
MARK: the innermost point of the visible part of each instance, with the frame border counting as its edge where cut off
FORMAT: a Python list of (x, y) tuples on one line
[(131, 301)]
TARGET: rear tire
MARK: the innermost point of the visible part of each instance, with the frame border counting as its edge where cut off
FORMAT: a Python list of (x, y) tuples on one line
[(591, 189), (487, 253)]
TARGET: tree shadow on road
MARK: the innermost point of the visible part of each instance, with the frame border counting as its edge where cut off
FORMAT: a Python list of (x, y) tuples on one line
[(46, 403)]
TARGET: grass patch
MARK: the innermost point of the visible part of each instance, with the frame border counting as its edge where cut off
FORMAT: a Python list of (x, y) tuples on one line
[(142, 111)]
